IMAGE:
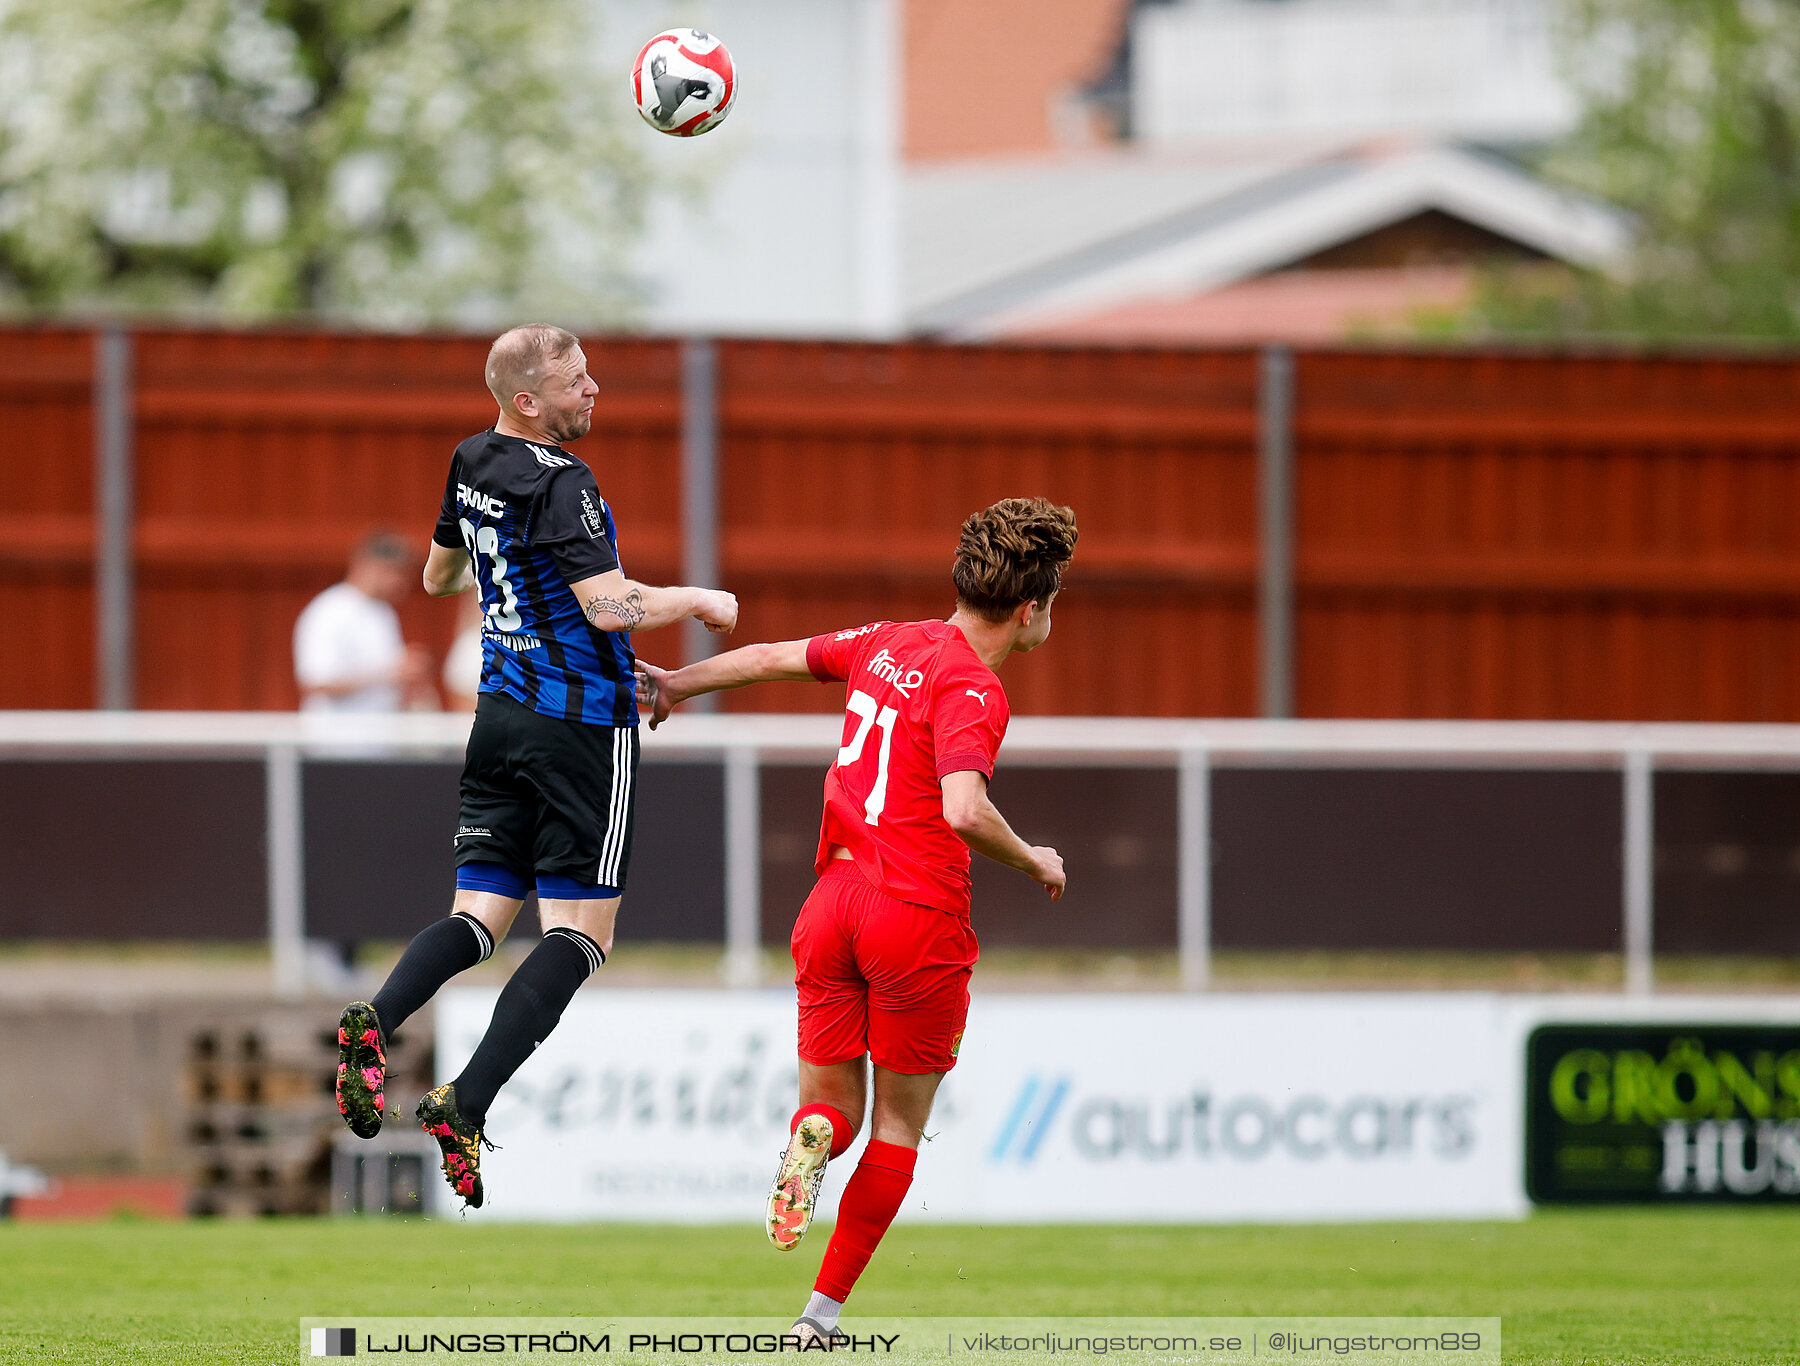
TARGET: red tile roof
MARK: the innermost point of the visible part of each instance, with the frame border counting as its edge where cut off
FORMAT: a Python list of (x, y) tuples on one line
[(1290, 305)]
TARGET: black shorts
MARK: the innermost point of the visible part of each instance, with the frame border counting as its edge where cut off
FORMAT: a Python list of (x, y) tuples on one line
[(547, 797)]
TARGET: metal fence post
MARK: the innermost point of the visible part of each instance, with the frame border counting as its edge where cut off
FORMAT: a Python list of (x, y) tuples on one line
[(113, 499), (286, 871), (700, 491), (1193, 806), (1275, 482), (1640, 872), (743, 867)]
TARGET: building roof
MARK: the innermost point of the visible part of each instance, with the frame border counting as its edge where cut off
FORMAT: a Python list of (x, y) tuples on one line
[(1316, 307), (999, 247)]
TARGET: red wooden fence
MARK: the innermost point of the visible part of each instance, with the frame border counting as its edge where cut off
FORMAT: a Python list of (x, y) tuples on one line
[(1483, 535), (1548, 537)]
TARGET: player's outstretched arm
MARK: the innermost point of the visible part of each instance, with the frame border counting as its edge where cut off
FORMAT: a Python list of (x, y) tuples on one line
[(612, 602), (448, 571), (979, 824), (662, 690)]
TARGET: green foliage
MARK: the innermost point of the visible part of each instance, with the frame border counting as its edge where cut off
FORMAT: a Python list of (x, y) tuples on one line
[(1692, 123), (382, 161)]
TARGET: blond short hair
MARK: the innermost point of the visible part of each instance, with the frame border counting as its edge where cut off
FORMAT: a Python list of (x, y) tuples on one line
[(519, 359)]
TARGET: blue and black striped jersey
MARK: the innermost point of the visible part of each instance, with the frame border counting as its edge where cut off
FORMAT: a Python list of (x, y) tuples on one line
[(533, 522)]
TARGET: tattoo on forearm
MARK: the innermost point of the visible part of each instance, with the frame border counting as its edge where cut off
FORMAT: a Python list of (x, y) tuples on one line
[(631, 611)]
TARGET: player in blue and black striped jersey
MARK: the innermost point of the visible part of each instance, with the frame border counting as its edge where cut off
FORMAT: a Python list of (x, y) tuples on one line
[(548, 786), (531, 521)]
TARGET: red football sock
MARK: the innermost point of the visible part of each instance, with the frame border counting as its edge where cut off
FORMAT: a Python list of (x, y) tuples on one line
[(843, 1132), (871, 1200)]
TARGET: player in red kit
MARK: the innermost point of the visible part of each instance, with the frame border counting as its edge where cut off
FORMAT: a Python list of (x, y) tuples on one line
[(883, 948)]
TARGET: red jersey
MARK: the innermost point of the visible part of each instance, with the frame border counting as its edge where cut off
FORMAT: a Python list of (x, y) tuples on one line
[(920, 706)]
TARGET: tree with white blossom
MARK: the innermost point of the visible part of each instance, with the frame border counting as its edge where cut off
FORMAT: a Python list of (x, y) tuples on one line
[(392, 162)]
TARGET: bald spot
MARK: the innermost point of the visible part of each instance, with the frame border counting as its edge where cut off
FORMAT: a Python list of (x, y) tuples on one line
[(519, 360)]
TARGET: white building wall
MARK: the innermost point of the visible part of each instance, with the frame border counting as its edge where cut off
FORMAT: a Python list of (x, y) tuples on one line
[(782, 220), (1448, 68)]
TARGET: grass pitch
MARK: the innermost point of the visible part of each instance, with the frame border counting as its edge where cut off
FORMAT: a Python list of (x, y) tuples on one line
[(1610, 1286)]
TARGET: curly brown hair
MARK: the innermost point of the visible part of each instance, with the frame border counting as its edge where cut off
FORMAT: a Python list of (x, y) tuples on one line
[(1011, 553)]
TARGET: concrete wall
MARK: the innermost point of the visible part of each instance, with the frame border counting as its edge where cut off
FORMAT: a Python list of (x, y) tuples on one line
[(1459, 68)]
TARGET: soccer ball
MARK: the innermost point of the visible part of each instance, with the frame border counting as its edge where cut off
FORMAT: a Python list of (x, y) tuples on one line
[(683, 82)]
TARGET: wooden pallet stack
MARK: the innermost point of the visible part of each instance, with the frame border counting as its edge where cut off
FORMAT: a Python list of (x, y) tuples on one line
[(261, 1113)]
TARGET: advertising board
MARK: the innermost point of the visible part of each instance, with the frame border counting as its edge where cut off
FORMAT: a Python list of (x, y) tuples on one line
[(673, 1106), (1663, 1110)]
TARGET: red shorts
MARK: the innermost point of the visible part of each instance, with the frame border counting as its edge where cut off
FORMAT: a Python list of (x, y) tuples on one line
[(880, 976)]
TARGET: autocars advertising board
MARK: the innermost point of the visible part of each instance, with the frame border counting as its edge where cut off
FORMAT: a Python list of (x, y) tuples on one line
[(674, 1105)]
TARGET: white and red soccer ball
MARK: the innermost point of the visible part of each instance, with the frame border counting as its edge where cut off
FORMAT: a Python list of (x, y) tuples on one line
[(683, 82)]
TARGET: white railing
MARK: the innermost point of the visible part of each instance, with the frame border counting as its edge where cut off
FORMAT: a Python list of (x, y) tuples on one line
[(744, 743)]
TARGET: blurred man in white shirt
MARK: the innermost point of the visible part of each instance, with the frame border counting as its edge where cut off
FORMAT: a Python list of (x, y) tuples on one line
[(461, 678), (349, 655)]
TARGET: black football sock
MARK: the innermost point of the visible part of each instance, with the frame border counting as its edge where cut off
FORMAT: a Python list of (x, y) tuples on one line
[(528, 1009), (437, 953)]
